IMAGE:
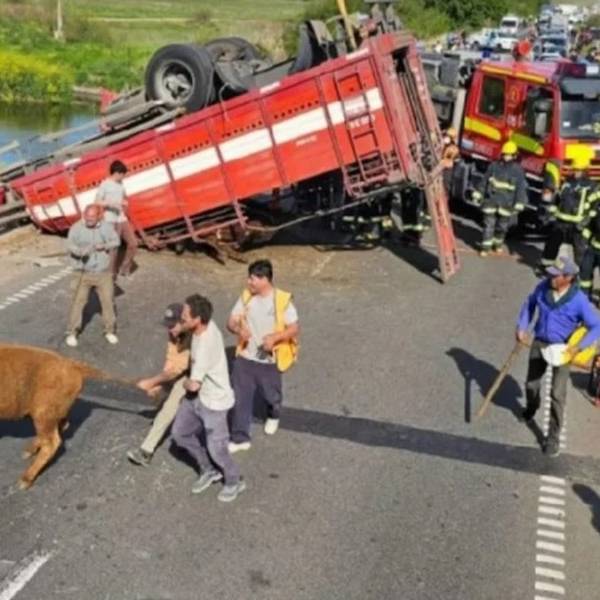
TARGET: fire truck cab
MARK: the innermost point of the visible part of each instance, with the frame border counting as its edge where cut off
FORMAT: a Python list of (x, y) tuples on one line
[(550, 110)]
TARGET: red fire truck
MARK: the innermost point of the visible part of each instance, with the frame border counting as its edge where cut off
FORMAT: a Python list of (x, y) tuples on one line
[(355, 129), (551, 110)]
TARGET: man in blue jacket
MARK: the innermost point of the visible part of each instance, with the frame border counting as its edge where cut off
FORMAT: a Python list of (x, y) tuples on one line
[(559, 307)]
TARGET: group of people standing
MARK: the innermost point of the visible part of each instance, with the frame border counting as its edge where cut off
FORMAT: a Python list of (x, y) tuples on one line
[(93, 243), (210, 415), (570, 206)]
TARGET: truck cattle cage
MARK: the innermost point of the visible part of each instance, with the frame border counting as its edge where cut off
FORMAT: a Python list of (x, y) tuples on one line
[(359, 128)]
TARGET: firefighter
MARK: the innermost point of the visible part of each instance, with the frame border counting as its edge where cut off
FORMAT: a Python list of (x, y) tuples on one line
[(501, 194), (591, 256), (410, 216), (570, 211), (450, 155)]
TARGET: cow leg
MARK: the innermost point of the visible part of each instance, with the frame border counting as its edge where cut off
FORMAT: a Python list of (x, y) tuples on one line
[(49, 442), (31, 449)]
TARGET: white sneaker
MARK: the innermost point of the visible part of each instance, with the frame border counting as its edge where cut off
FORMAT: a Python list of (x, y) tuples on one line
[(111, 338), (271, 426), (71, 341), (242, 446)]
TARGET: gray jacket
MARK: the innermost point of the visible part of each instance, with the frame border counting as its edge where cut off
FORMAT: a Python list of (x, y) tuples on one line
[(83, 243)]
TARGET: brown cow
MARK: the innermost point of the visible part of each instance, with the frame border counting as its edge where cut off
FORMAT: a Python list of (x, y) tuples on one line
[(43, 385)]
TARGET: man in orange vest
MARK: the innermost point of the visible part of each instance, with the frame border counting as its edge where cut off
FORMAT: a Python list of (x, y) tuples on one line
[(266, 322)]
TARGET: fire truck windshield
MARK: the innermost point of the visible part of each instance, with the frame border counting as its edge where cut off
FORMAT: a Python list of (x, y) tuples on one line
[(580, 118)]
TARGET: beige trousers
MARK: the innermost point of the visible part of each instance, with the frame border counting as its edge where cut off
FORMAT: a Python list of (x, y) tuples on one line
[(83, 284), (164, 417)]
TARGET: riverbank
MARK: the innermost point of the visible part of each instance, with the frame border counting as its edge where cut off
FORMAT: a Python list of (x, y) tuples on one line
[(108, 44)]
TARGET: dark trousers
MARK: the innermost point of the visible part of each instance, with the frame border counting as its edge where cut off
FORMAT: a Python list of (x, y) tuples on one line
[(193, 420), (564, 233), (558, 393), (495, 227), (248, 378), (591, 260)]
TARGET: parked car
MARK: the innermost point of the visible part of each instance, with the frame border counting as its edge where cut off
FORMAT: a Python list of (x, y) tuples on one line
[(482, 39), (554, 43), (511, 25), (504, 42)]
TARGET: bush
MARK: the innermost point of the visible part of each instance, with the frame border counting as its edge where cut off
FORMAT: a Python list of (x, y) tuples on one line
[(78, 29), (28, 78)]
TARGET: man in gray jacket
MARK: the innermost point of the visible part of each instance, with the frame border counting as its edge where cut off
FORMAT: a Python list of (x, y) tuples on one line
[(90, 242)]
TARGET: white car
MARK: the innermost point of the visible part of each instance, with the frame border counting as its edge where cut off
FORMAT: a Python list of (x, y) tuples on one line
[(511, 25), (504, 42), (482, 39)]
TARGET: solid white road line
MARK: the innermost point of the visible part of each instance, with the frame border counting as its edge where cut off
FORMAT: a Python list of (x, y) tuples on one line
[(18, 579)]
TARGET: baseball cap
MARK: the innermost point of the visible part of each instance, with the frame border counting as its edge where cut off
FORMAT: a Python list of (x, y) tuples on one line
[(172, 315), (562, 266)]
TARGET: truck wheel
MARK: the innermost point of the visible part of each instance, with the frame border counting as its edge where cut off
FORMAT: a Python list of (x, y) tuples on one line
[(181, 75), (232, 48)]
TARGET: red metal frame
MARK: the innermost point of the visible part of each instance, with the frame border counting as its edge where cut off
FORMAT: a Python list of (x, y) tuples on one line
[(336, 116)]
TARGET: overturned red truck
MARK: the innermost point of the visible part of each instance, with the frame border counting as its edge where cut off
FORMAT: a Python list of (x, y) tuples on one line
[(351, 131)]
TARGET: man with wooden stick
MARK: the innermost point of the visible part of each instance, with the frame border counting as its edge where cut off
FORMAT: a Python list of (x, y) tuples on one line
[(559, 308)]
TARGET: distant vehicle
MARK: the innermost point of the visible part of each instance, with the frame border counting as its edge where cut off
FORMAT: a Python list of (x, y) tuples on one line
[(504, 42), (482, 39), (511, 25), (554, 43)]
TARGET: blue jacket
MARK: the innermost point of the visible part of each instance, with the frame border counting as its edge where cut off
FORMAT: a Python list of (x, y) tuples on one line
[(556, 321)]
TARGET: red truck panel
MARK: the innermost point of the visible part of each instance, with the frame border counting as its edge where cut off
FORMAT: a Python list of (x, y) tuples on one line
[(329, 117)]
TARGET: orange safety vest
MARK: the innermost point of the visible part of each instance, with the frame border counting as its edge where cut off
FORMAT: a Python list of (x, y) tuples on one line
[(286, 353)]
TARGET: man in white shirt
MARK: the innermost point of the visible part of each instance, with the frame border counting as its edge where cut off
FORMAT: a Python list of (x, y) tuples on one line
[(111, 195), (209, 398)]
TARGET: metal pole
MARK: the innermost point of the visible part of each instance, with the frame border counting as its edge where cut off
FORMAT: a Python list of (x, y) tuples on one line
[(344, 12)]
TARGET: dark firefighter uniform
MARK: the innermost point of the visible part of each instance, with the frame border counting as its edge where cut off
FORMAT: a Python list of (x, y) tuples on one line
[(570, 211), (409, 213), (502, 193), (591, 256)]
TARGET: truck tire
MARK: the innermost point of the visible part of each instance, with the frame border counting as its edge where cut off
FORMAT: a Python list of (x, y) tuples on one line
[(232, 48), (181, 75)]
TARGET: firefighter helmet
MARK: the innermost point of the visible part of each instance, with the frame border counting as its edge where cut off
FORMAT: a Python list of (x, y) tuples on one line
[(509, 148)]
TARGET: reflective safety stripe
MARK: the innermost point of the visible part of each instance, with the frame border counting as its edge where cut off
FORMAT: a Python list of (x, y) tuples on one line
[(519, 206), (587, 234), (547, 262), (489, 210), (487, 243), (498, 241), (585, 284), (528, 143), (505, 212), (595, 244), (502, 185), (569, 218), (482, 128), (554, 172)]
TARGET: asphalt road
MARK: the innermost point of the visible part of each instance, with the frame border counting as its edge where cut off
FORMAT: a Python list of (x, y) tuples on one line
[(379, 484)]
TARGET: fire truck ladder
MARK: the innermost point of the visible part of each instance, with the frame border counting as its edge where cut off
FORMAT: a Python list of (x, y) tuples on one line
[(435, 193), (371, 167)]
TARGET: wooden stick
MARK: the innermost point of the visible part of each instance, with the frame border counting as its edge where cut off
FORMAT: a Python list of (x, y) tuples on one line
[(499, 379)]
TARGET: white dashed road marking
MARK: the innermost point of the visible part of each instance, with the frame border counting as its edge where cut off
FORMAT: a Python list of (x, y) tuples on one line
[(19, 577), (32, 289), (550, 578)]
